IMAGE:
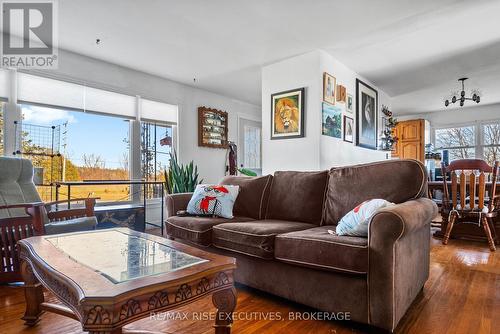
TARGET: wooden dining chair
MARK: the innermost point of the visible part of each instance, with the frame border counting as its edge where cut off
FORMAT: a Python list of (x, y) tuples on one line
[(469, 202)]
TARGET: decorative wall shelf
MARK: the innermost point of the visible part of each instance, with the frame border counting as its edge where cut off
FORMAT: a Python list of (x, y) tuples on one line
[(212, 128)]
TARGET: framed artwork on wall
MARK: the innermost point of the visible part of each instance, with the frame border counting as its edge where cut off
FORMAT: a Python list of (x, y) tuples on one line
[(331, 121), (348, 129), (366, 115), (287, 114), (212, 128), (350, 103), (341, 93), (329, 88)]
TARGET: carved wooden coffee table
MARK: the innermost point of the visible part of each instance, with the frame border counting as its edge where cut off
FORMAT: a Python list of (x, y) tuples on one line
[(109, 278)]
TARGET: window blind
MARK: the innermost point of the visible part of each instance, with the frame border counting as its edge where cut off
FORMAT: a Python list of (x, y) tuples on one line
[(66, 95), (49, 92), (158, 111), (4, 84), (106, 102)]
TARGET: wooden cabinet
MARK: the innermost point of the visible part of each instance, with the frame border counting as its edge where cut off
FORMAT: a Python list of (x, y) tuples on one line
[(411, 130), (411, 150), (411, 140)]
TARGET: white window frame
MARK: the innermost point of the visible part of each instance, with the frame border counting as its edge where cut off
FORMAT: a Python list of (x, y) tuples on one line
[(483, 144), (242, 117), (257, 164), (478, 134)]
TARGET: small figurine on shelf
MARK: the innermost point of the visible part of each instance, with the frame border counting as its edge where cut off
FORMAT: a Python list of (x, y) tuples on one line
[(387, 139)]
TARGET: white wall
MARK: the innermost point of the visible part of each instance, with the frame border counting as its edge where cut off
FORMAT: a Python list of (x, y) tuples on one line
[(314, 151), (295, 153), (211, 162), (337, 152)]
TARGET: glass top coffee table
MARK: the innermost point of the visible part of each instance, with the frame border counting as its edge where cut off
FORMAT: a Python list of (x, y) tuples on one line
[(109, 278)]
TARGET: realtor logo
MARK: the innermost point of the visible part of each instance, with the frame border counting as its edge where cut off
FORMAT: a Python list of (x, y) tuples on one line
[(29, 38)]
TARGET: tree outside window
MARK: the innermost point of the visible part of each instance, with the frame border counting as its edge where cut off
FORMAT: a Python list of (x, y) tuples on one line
[(459, 141), (491, 147)]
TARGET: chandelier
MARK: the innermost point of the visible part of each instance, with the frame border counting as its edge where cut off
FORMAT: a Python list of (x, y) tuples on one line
[(475, 96)]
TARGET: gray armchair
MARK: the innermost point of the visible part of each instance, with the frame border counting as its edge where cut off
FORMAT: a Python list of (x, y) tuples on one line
[(23, 214)]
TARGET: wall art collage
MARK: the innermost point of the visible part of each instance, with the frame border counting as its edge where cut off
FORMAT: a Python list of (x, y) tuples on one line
[(337, 111)]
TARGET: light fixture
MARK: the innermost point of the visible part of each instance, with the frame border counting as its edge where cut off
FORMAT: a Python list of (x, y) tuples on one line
[(475, 96)]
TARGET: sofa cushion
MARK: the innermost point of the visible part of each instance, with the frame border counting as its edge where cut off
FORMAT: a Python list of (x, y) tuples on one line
[(253, 196), (213, 199), (297, 196), (255, 238), (16, 185), (196, 229), (316, 248), (396, 181), (355, 222)]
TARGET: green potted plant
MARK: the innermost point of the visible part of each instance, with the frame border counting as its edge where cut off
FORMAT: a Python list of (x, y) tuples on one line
[(181, 178)]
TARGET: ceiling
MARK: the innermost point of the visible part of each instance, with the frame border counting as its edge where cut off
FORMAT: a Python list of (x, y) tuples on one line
[(413, 50)]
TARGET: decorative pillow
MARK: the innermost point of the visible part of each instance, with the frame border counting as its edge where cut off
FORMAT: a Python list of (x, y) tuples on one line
[(355, 222), (213, 200)]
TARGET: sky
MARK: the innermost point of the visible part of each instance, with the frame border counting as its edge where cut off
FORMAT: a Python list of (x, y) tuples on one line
[(86, 133)]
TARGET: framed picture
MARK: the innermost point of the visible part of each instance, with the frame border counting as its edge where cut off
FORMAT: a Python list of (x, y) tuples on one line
[(366, 115), (350, 103), (348, 129), (332, 118), (287, 114), (212, 128), (341, 93), (329, 88)]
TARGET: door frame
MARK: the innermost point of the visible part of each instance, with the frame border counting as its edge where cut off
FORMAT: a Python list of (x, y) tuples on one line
[(248, 118)]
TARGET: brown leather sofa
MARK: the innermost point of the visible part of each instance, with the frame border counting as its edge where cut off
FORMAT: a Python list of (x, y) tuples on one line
[(280, 240)]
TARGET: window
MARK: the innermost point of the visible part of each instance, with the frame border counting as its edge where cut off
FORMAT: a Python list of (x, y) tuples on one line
[(491, 142), (156, 146), (251, 147), (4, 84), (74, 132), (459, 141), (75, 146), (480, 140)]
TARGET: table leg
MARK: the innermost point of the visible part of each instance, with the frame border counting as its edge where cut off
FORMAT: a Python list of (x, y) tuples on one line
[(225, 302), (33, 294)]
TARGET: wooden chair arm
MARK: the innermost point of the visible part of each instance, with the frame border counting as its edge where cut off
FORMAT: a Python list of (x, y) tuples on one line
[(63, 201), (34, 211), (38, 213), (87, 211), (89, 205), (21, 205)]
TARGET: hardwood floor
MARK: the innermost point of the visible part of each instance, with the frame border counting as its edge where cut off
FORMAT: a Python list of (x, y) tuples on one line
[(462, 295)]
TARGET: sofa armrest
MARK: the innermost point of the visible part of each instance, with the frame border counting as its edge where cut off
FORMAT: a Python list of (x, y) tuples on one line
[(394, 221), (176, 202), (399, 250)]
